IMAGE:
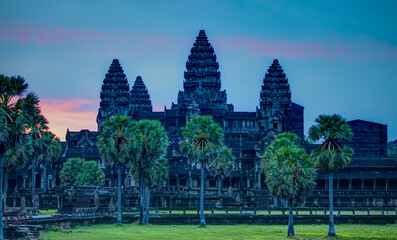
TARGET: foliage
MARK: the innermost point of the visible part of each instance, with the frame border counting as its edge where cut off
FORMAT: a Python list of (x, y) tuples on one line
[(218, 232), (77, 171), (223, 164), (50, 148), (151, 155), (392, 149), (118, 143), (17, 114), (203, 138), (335, 132), (290, 174)]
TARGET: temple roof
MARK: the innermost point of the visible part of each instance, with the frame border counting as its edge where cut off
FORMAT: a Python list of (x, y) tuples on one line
[(275, 86), (115, 88), (140, 98), (202, 67)]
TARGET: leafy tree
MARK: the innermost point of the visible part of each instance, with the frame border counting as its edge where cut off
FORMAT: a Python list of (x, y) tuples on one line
[(203, 138), (155, 175), (77, 172), (119, 144), (150, 166), (36, 127), (290, 174), (51, 149), (333, 153), (15, 158), (222, 166), (16, 113)]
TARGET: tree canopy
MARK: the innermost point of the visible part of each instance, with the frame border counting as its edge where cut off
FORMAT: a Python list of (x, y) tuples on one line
[(77, 172)]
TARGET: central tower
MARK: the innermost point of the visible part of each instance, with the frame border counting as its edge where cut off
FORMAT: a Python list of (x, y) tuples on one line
[(202, 82)]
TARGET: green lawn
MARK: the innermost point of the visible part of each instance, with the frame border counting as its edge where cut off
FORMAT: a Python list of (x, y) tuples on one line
[(134, 231), (48, 212)]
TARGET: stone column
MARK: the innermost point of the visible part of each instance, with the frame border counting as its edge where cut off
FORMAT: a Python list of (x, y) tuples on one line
[(362, 184), (259, 180), (350, 183), (374, 184)]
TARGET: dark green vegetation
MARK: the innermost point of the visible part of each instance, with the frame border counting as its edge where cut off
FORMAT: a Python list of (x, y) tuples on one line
[(142, 146), (150, 168), (203, 145), (77, 171), (119, 144), (21, 123), (290, 174), (333, 153), (134, 231)]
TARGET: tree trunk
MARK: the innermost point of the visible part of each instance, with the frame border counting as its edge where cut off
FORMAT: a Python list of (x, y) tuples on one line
[(5, 185), (331, 231), (291, 231), (202, 219), (1, 194), (142, 197), (119, 219), (33, 178), (45, 178), (146, 220), (219, 186)]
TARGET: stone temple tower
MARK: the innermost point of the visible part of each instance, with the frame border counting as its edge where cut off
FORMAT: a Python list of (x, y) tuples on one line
[(140, 98), (115, 96), (202, 82), (275, 97)]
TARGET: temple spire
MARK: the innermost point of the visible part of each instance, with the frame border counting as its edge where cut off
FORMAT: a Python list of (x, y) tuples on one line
[(140, 98), (115, 97), (202, 67), (275, 96), (202, 80)]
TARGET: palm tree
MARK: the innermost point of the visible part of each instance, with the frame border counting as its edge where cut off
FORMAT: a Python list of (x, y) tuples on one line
[(16, 112), (203, 138), (15, 158), (332, 154), (155, 175), (290, 174), (119, 144), (150, 165), (50, 151), (222, 166)]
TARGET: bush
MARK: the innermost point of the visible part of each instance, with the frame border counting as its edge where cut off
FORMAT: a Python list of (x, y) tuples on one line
[(77, 171)]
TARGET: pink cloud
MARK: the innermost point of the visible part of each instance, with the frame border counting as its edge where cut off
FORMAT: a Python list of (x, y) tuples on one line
[(46, 35), (309, 50), (75, 114)]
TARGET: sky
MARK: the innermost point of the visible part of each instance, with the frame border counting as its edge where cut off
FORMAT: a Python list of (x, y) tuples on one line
[(339, 56)]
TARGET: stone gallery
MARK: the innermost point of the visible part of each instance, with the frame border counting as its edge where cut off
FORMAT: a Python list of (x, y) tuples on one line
[(369, 180)]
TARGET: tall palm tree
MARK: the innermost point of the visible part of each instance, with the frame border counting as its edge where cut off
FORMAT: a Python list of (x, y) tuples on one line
[(222, 166), (16, 113), (290, 173), (15, 158), (119, 144), (150, 165), (51, 149), (203, 138), (333, 153), (154, 176)]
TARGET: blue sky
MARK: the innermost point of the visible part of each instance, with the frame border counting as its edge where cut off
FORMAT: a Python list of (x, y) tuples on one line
[(339, 56)]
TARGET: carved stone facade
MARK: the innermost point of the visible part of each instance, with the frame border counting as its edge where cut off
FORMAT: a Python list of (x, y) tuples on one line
[(246, 133)]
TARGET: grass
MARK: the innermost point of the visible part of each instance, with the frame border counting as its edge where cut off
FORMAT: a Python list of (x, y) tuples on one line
[(48, 212), (188, 232)]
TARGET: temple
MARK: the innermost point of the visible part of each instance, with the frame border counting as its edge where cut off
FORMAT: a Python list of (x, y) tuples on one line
[(369, 180)]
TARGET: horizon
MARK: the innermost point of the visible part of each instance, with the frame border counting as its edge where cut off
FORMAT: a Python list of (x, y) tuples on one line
[(337, 60)]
